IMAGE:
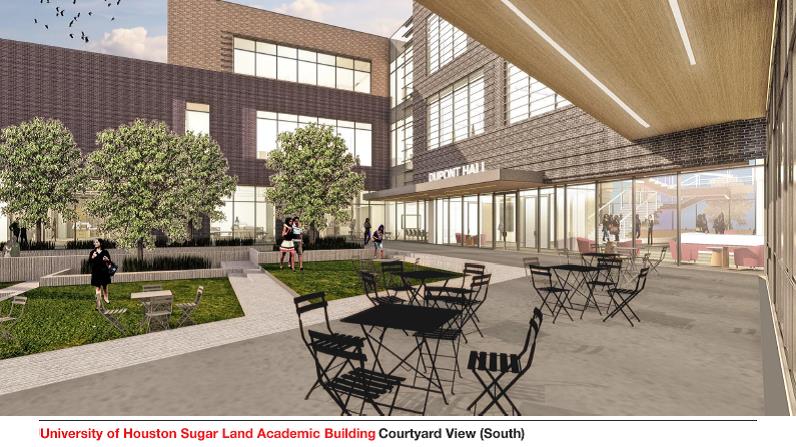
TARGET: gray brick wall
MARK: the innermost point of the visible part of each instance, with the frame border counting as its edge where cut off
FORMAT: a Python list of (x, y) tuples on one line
[(567, 144)]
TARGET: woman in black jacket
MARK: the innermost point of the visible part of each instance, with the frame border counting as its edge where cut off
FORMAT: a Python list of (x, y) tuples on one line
[(100, 260)]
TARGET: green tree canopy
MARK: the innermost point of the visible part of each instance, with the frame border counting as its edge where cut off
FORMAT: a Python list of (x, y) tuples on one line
[(149, 179), (314, 176), (40, 171)]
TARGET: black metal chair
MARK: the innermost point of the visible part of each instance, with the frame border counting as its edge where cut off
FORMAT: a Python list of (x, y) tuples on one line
[(470, 269), (621, 298), (372, 291), (334, 341), (542, 281), (496, 365), (352, 379), (391, 278), (607, 277), (528, 262)]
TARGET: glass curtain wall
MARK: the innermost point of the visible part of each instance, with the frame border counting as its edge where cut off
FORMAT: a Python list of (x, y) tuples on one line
[(485, 221), (471, 233), (721, 217), (616, 211), (547, 218), (656, 205), (528, 209), (561, 223), (581, 212)]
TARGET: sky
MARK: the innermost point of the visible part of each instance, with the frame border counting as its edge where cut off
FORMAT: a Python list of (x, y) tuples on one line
[(137, 28)]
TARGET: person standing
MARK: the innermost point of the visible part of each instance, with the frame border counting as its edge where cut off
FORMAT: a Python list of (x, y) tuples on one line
[(286, 246), (100, 260), (637, 225), (15, 230), (650, 225), (606, 222), (298, 241), (367, 231), (378, 242)]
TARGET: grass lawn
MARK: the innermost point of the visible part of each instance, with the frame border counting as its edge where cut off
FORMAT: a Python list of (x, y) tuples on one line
[(337, 278), (60, 317)]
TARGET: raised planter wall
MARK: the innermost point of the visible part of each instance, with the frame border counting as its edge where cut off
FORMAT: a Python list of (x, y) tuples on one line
[(119, 251), (31, 268), (270, 257), (79, 280)]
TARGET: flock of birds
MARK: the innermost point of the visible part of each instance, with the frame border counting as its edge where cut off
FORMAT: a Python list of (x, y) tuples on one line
[(60, 13)]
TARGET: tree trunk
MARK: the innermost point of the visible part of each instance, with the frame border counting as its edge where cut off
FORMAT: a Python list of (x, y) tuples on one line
[(313, 234), (38, 231), (190, 230), (140, 247)]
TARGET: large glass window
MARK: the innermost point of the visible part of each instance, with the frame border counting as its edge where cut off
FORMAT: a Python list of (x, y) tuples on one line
[(457, 111), (246, 215), (358, 137), (197, 118), (720, 211), (286, 63), (547, 218), (616, 211), (445, 42), (656, 207), (471, 236), (527, 97), (580, 214), (402, 76), (402, 141), (528, 208)]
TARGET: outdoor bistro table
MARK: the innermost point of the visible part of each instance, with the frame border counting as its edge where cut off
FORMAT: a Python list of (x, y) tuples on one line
[(574, 277), (422, 276), (144, 297), (404, 318)]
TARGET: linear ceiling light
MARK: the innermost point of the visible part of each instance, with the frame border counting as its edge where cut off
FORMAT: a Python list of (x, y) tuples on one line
[(678, 17), (573, 61)]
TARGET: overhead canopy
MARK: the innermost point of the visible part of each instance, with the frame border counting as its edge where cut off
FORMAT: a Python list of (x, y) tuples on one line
[(494, 180), (636, 50)]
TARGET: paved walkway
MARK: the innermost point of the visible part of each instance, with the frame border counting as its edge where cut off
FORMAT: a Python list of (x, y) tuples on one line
[(697, 351), (267, 305)]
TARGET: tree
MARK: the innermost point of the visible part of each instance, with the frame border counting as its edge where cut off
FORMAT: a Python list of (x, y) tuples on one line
[(149, 179), (40, 171), (313, 177)]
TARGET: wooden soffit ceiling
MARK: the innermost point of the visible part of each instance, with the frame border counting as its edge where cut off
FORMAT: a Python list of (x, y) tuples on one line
[(634, 48)]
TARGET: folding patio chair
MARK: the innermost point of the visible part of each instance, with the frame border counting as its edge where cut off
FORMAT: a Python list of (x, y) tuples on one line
[(391, 278), (529, 261), (607, 277), (352, 379), (372, 291), (655, 262), (12, 317), (157, 312), (542, 282), (151, 287), (470, 269), (621, 298), (112, 316), (467, 301), (496, 365), (337, 340), (186, 309), (565, 253)]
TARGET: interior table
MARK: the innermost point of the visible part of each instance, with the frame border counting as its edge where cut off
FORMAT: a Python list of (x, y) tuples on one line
[(407, 319), (575, 277)]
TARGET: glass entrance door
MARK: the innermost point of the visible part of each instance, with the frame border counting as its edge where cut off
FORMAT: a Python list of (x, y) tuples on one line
[(505, 220)]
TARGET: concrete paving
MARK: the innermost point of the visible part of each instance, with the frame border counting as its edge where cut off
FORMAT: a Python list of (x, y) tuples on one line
[(696, 352)]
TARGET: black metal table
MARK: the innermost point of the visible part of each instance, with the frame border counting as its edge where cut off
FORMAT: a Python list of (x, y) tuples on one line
[(420, 275), (404, 318), (576, 276)]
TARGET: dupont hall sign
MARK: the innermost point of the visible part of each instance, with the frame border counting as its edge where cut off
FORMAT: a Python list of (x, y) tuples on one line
[(458, 171)]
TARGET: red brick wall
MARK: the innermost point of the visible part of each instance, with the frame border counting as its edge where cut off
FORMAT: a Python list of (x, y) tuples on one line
[(200, 35)]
